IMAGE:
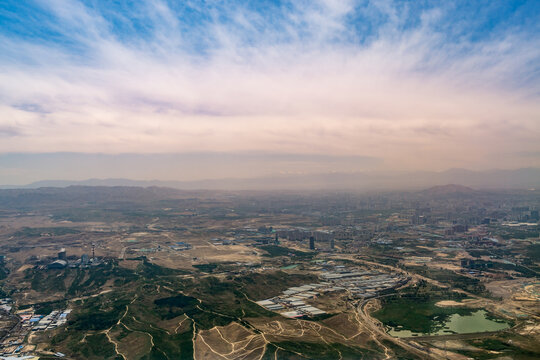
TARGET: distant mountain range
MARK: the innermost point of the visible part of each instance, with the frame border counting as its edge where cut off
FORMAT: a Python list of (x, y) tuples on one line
[(492, 179)]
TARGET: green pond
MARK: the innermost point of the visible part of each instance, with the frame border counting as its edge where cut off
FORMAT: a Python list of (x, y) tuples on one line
[(477, 321)]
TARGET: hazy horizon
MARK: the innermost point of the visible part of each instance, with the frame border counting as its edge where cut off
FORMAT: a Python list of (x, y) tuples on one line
[(31, 168), (167, 91)]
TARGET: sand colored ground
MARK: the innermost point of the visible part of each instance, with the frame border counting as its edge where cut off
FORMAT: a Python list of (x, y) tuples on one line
[(333, 302), (343, 328), (452, 303), (446, 354), (442, 255), (24, 267), (229, 342), (349, 326), (507, 288), (203, 254), (454, 345)]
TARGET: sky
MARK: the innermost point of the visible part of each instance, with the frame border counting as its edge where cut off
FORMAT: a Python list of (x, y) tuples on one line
[(187, 90)]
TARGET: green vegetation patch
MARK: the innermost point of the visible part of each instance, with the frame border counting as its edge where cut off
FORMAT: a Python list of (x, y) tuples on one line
[(171, 307), (89, 214), (276, 250), (99, 313), (479, 253), (533, 252), (76, 282), (222, 301), (500, 349), (151, 271), (167, 346), (520, 234), (526, 272), (451, 278), (95, 347), (45, 308), (48, 280), (87, 280), (414, 309), (181, 301), (156, 294), (259, 286), (207, 268), (417, 316), (4, 272), (319, 317)]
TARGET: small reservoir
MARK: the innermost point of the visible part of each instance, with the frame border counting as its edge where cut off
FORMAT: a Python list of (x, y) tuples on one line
[(477, 321)]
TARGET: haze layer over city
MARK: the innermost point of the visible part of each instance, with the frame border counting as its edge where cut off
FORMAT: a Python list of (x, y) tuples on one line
[(326, 179)]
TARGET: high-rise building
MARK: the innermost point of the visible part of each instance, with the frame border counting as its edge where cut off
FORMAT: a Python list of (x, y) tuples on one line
[(312, 243), (62, 254), (332, 243)]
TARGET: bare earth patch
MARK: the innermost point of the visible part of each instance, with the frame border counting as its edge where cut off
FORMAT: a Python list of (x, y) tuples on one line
[(452, 303), (229, 342)]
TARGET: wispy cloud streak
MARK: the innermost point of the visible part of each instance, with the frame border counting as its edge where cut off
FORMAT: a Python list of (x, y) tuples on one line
[(421, 87)]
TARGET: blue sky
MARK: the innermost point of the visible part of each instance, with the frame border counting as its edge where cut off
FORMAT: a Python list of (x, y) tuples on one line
[(67, 24), (410, 84)]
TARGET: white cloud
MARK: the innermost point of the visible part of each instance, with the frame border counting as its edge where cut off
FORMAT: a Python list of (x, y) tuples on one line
[(406, 96)]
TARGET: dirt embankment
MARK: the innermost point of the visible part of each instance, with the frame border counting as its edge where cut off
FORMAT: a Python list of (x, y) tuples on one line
[(452, 303)]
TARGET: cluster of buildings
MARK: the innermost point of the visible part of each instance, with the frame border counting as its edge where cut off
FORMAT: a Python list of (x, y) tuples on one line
[(456, 229), (84, 261), (525, 214), (5, 304), (13, 345), (181, 246), (271, 236), (39, 322), (27, 321), (12, 342), (292, 302), (318, 236), (17, 357), (359, 284), (266, 240), (218, 242), (363, 284)]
